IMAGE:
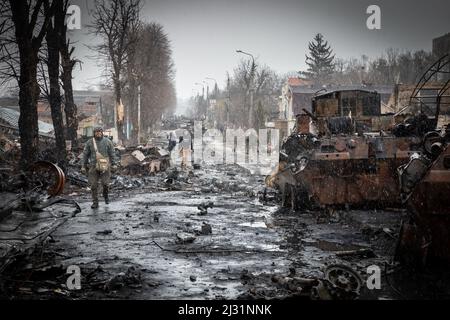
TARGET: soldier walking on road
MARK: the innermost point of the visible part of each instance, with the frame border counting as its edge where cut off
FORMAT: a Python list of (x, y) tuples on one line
[(98, 161)]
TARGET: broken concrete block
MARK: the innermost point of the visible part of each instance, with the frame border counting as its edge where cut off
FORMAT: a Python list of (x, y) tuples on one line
[(203, 207), (184, 237), (162, 153), (155, 166), (128, 160), (206, 229), (138, 155)]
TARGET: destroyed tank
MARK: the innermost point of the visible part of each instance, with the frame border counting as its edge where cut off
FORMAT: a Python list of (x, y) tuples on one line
[(424, 190), (344, 152), (424, 184)]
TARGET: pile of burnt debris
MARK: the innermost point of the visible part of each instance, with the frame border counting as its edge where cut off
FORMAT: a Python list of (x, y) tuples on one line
[(137, 164), (338, 282), (49, 280), (9, 148), (144, 166), (31, 208), (135, 161)]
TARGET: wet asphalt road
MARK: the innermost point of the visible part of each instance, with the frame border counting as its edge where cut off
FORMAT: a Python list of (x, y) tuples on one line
[(250, 241), (136, 248)]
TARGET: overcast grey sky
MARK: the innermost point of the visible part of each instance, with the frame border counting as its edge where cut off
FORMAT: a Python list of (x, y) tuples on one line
[(206, 33)]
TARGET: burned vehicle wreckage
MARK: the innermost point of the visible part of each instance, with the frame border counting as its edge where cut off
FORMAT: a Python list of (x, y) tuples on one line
[(344, 152), (341, 160)]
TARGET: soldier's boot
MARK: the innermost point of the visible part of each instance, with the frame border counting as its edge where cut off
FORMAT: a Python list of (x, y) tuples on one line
[(94, 199), (105, 194)]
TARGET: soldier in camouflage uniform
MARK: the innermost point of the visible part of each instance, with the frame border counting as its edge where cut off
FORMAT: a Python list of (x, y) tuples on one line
[(106, 148)]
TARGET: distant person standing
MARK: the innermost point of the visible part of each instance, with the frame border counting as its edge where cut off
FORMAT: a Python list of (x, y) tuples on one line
[(185, 147), (98, 161), (172, 141)]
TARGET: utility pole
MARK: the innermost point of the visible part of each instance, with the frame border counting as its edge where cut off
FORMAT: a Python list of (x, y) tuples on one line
[(250, 89), (203, 88), (115, 121), (207, 90), (250, 112), (228, 104), (204, 102), (139, 114), (215, 84), (128, 123), (214, 93)]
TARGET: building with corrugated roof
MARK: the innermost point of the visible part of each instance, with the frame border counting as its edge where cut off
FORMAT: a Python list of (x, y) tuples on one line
[(10, 117)]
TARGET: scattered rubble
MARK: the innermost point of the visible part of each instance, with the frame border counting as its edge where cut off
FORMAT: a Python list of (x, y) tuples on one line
[(339, 282), (204, 207), (206, 229), (104, 232), (131, 277), (144, 160), (184, 237)]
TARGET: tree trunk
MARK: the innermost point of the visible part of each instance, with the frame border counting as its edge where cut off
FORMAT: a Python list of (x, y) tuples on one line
[(28, 85), (70, 108), (55, 93), (28, 98), (132, 102), (67, 64), (119, 116)]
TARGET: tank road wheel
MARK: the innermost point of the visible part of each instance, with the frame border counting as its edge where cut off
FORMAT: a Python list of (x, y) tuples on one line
[(429, 139), (345, 283), (47, 176)]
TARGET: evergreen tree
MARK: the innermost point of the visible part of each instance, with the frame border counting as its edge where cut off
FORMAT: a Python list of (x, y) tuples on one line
[(321, 60)]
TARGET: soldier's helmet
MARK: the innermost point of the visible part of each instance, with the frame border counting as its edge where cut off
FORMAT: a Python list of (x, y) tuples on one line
[(97, 129)]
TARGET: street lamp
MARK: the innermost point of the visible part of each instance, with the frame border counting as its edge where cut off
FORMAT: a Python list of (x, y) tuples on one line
[(251, 90), (211, 79), (137, 79), (248, 54), (203, 101), (207, 89), (215, 85), (215, 81), (139, 114)]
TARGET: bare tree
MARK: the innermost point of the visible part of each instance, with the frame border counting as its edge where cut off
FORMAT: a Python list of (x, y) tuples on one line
[(266, 85), (9, 53), (394, 66), (67, 65), (30, 26), (150, 65), (115, 21), (54, 94)]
